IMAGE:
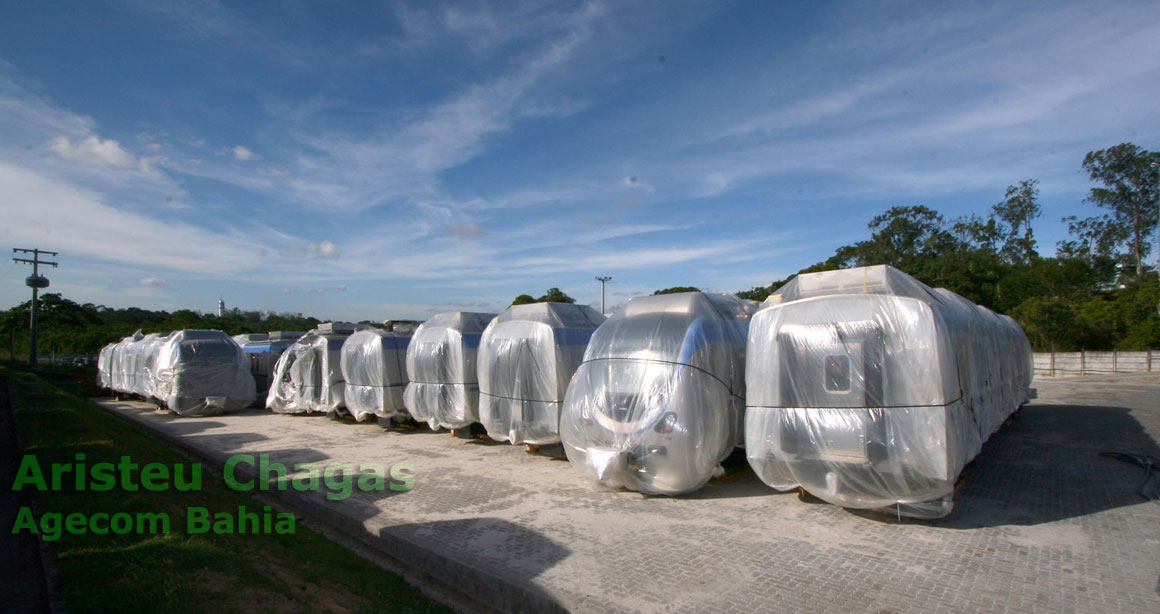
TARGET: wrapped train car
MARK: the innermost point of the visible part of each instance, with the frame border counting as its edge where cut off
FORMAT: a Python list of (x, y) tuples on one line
[(308, 375), (133, 363), (374, 367), (871, 390), (527, 356), (443, 387), (104, 366), (657, 403), (147, 351), (262, 351), (201, 373), (121, 375)]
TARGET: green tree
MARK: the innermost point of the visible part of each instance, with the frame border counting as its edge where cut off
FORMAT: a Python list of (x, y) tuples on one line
[(1049, 323), (908, 238), (1015, 215), (1128, 192), (676, 290), (555, 295)]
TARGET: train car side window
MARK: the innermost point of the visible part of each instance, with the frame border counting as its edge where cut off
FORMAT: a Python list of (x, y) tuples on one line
[(837, 372)]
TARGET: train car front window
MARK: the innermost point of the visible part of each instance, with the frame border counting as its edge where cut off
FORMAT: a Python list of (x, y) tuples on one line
[(837, 373)]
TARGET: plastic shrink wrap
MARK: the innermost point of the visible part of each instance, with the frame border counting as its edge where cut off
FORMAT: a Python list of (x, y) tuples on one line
[(527, 356), (374, 366), (201, 373), (245, 338), (104, 365), (443, 388), (871, 390), (134, 364), (121, 373), (658, 401), (147, 351), (308, 375), (262, 351)]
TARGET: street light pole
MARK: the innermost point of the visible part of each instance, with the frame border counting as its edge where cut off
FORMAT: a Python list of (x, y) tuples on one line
[(602, 281), (36, 281)]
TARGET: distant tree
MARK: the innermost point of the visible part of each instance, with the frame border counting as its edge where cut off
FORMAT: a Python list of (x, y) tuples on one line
[(676, 290), (1094, 241), (904, 237), (1014, 216), (756, 293), (555, 295), (1129, 192), (1049, 323), (760, 293)]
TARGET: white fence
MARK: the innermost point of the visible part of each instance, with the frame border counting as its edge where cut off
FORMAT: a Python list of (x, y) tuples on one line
[(1089, 363)]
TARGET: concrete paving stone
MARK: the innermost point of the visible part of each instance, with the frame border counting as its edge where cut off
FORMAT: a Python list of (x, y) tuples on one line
[(1041, 524)]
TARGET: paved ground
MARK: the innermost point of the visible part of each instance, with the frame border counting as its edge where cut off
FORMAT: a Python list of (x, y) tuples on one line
[(1041, 524)]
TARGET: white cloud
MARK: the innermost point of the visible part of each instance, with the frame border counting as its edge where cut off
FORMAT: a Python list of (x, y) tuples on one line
[(467, 231), (74, 221), (153, 282), (93, 150), (325, 250), (967, 113), (243, 153)]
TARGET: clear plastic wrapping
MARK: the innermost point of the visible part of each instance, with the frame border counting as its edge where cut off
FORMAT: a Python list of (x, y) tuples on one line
[(104, 365), (527, 356), (122, 376), (148, 350), (443, 388), (657, 403), (201, 373), (870, 390), (374, 366), (262, 352), (247, 338), (308, 375)]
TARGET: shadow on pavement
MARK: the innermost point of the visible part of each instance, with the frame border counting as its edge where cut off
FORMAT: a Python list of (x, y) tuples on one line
[(1046, 466), (461, 553)]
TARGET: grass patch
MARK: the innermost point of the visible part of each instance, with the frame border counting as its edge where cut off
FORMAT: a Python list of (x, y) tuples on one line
[(180, 572)]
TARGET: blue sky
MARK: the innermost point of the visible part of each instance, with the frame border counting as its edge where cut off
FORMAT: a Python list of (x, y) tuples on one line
[(369, 160)]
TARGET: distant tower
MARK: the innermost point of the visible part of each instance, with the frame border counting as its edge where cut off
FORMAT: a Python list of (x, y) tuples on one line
[(221, 308)]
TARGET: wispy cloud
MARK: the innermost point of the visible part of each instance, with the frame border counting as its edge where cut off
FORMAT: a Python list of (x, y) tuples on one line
[(77, 221), (469, 230), (92, 150), (243, 153), (320, 290), (551, 143), (325, 250)]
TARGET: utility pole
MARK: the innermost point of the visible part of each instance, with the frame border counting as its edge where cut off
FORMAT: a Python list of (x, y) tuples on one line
[(1156, 168), (36, 281), (602, 281)]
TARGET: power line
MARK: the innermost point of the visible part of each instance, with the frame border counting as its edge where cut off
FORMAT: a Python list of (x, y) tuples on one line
[(36, 281)]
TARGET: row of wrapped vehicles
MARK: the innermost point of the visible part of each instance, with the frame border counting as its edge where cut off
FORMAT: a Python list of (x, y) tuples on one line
[(863, 387)]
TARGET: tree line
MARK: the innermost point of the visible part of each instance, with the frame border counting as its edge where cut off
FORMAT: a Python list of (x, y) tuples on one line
[(67, 327)]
